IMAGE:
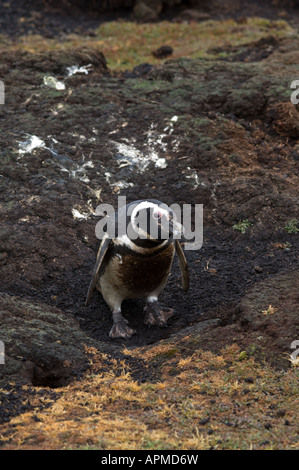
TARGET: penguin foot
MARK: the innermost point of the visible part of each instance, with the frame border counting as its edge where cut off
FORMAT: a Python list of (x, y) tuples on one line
[(156, 314), (121, 330)]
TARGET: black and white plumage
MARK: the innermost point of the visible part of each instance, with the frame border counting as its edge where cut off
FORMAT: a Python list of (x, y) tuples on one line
[(137, 263)]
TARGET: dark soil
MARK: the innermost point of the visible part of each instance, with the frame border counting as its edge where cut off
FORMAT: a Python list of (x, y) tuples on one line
[(211, 292)]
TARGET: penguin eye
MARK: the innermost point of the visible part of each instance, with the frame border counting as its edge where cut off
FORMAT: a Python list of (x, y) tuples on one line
[(157, 215)]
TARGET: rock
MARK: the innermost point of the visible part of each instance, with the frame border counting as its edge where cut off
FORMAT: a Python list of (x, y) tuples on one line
[(43, 346), (148, 11), (56, 62), (258, 269), (163, 52)]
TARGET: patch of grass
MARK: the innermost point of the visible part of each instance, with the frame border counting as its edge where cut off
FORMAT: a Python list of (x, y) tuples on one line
[(292, 226), (242, 226), (157, 445), (242, 356), (127, 44)]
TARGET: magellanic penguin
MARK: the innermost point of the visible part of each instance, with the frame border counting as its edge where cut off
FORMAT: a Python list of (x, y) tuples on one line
[(137, 263)]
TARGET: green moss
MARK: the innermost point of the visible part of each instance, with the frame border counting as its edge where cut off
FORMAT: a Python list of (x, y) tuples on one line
[(252, 349), (148, 86), (292, 226), (165, 354), (242, 226), (149, 444), (242, 356)]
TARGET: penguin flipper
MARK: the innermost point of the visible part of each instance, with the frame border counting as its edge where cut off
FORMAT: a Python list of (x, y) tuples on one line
[(100, 256), (183, 265)]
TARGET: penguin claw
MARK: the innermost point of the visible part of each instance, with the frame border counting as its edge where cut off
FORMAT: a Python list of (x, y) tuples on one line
[(121, 330), (157, 315)]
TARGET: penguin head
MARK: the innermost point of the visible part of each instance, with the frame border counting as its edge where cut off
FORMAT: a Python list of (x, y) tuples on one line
[(153, 220)]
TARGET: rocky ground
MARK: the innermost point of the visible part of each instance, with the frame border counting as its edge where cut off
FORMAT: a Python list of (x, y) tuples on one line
[(220, 132)]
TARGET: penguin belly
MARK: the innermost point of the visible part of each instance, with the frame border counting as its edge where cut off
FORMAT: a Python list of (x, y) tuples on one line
[(131, 276)]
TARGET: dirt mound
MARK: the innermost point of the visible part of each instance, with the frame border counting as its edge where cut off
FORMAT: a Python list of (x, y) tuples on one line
[(218, 133), (43, 346), (264, 323)]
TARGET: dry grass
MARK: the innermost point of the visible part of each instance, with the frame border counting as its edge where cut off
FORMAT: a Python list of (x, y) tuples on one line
[(200, 401)]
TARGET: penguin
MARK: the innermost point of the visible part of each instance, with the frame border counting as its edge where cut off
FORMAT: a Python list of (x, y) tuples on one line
[(136, 263)]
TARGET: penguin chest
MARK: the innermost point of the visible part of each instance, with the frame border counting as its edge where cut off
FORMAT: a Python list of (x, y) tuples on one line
[(136, 275)]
